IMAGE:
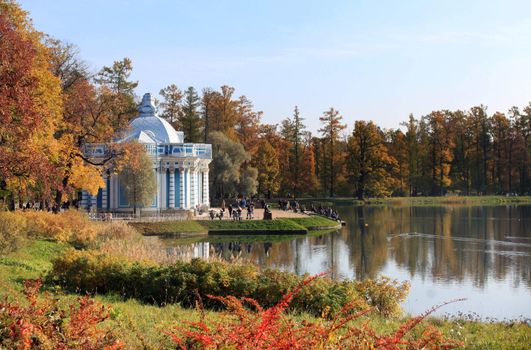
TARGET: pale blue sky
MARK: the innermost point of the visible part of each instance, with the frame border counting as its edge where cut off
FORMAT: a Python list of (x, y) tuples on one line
[(373, 60)]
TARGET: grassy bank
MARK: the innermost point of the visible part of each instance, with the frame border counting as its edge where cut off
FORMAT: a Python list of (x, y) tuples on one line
[(283, 226), (142, 326), (421, 201)]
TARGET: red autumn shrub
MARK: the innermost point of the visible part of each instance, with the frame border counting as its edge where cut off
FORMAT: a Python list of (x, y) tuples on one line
[(39, 323), (242, 328)]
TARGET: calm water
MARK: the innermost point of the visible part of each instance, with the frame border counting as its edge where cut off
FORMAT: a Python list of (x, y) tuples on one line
[(479, 253)]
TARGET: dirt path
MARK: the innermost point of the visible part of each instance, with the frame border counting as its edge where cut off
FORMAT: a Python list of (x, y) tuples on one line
[(258, 214)]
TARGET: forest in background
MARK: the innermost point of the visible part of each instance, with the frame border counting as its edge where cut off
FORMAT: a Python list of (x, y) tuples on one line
[(52, 106)]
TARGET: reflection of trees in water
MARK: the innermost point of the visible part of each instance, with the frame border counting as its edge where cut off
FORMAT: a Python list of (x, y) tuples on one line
[(454, 243), (450, 243), (367, 240)]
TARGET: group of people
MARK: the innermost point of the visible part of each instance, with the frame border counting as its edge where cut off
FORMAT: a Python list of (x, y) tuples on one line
[(328, 212), (286, 205), (38, 206), (235, 210)]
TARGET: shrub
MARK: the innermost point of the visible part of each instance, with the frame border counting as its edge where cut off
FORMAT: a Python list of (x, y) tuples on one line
[(39, 323), (383, 293), (71, 226), (116, 230), (12, 231), (179, 282), (240, 328)]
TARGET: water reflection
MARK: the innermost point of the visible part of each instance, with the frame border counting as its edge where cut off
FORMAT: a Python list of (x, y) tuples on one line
[(482, 253)]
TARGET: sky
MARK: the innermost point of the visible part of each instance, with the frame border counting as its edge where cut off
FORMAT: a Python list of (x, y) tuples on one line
[(370, 59)]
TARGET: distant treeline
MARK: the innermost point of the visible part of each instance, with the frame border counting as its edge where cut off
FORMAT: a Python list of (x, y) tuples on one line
[(463, 152), (52, 106)]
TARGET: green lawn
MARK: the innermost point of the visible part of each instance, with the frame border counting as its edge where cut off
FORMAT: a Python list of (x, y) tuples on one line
[(282, 226), (278, 225), (169, 227), (420, 201), (315, 222), (142, 326)]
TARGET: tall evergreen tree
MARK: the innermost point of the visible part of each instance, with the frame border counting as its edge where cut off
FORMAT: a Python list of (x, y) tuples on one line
[(190, 119)]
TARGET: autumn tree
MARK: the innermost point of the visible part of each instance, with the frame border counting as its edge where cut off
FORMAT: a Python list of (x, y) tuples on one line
[(331, 127), (266, 160), (138, 178), (461, 171), (223, 113), (501, 127), (480, 125), (30, 108), (190, 120), (118, 90), (309, 180), (369, 164), (91, 114), (522, 125), (440, 150), (171, 105), (397, 146), (247, 124)]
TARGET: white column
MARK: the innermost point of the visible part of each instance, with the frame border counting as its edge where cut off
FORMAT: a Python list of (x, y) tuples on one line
[(172, 188), (187, 202), (193, 180), (206, 195), (204, 173), (162, 187), (181, 188)]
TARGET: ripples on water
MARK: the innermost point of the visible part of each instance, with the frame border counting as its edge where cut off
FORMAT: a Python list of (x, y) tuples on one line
[(480, 253)]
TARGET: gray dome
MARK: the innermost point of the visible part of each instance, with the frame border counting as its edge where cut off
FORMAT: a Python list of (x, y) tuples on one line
[(148, 128)]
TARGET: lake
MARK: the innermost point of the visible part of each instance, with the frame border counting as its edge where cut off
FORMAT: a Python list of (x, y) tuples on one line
[(482, 253)]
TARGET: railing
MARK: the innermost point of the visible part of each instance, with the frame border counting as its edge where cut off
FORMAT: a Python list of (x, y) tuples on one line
[(199, 150), (131, 218)]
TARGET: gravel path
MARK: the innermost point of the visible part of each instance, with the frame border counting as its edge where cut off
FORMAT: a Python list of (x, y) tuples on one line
[(258, 214)]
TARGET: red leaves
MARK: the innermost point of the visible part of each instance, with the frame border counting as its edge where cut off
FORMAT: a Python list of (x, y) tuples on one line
[(271, 328), (42, 324)]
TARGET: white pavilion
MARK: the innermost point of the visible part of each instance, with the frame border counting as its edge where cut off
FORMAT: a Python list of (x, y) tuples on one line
[(181, 168)]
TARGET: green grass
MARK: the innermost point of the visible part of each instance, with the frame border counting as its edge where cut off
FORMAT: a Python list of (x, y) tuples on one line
[(282, 226), (169, 227), (420, 201), (30, 262), (315, 222), (142, 326), (278, 224)]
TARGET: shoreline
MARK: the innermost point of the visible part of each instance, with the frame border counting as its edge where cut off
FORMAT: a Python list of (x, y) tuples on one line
[(281, 226)]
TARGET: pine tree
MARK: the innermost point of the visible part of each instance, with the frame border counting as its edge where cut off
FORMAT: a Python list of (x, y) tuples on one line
[(189, 118)]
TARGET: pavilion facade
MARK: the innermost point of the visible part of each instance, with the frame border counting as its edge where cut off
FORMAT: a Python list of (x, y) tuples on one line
[(181, 169)]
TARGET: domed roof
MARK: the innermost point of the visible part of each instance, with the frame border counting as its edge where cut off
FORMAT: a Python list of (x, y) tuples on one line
[(148, 128)]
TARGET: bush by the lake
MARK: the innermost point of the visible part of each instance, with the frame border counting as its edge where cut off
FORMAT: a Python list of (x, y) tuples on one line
[(180, 282), (242, 328)]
